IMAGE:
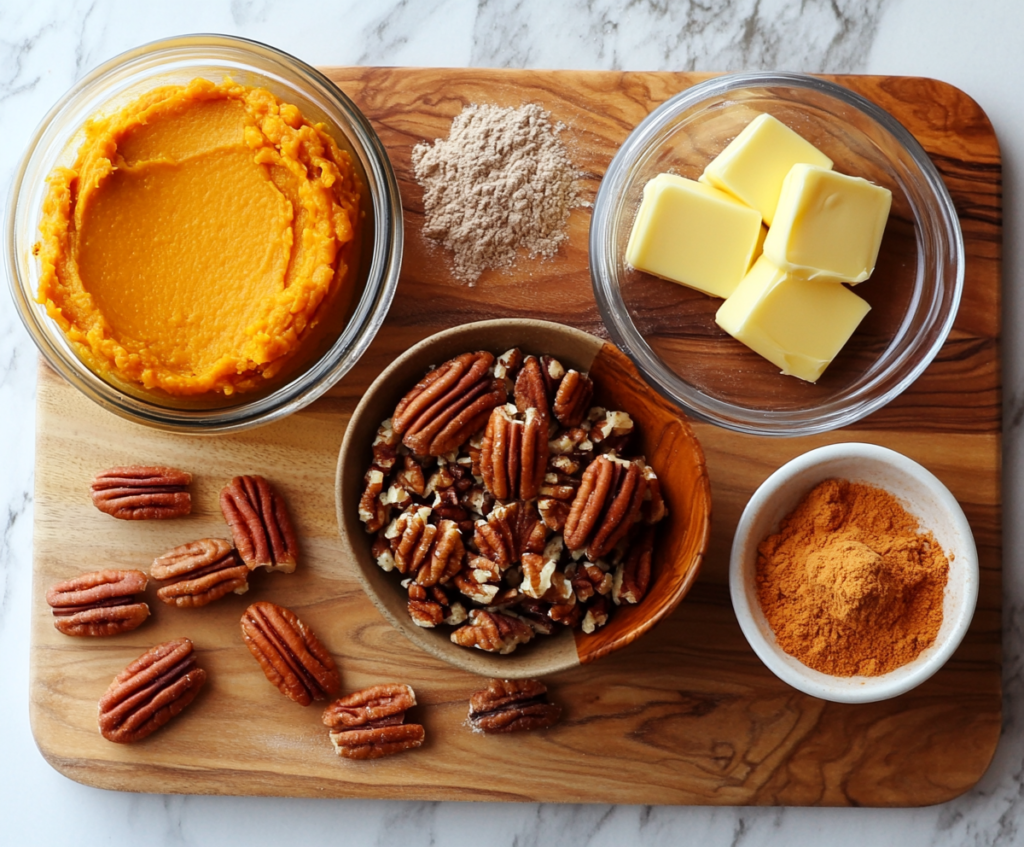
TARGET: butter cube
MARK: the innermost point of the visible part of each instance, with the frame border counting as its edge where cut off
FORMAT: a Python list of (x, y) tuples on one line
[(828, 226), (693, 234), (754, 164), (797, 324)]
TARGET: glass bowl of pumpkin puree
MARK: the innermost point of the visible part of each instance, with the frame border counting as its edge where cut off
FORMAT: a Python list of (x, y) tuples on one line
[(204, 235)]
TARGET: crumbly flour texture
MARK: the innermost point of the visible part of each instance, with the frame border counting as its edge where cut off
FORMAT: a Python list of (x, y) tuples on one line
[(501, 182)]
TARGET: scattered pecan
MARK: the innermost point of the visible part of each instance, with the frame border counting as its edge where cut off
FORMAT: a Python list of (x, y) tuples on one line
[(448, 405), (633, 575), (606, 505), (259, 524), (512, 705), (495, 632), (514, 454), (378, 742), (430, 606), (370, 724), (379, 705), (573, 398), (509, 531), (202, 571), (100, 603), (150, 691), (141, 493), (290, 654)]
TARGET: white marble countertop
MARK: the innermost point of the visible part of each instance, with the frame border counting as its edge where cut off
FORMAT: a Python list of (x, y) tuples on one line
[(45, 45)]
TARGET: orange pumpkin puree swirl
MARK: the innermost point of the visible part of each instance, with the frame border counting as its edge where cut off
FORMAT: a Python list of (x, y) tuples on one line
[(192, 242)]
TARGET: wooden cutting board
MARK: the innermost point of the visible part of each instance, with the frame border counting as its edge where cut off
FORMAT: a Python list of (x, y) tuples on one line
[(687, 714)]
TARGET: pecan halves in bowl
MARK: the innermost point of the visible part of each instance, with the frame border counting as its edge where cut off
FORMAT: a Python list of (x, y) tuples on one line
[(514, 454), (100, 603), (606, 505), (199, 573), (370, 724), (259, 523), (493, 632), (150, 691), (572, 401), (142, 493), (448, 405), (289, 653), (512, 705)]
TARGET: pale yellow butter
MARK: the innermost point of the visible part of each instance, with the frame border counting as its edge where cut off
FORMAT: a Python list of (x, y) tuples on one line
[(693, 234), (797, 324), (755, 163), (828, 226)]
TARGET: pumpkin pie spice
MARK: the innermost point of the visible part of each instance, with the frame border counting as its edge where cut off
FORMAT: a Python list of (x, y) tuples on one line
[(850, 584)]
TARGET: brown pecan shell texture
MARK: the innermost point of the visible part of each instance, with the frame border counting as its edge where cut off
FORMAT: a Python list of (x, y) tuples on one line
[(100, 603), (289, 653), (150, 691), (140, 492), (260, 525), (200, 572), (512, 705)]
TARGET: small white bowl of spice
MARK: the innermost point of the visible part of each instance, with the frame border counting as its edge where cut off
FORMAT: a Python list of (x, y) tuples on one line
[(854, 573)]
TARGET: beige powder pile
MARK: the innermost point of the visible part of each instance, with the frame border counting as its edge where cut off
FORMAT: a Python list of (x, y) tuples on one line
[(502, 181)]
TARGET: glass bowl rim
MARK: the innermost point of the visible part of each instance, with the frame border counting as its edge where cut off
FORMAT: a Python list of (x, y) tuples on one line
[(624, 332), (368, 312)]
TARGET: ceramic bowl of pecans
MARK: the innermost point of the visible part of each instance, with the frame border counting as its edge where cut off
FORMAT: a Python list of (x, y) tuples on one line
[(516, 500)]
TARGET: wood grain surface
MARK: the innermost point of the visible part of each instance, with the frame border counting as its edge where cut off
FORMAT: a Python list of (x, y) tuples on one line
[(686, 714)]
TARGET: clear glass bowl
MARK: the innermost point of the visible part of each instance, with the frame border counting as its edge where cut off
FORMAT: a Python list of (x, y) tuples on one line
[(669, 330), (342, 335)]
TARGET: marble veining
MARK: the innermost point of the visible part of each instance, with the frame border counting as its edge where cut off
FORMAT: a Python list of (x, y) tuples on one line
[(46, 45)]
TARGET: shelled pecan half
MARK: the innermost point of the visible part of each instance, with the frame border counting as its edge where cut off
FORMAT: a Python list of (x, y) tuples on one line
[(150, 691), (606, 505), (379, 705), (199, 572), (378, 742), (633, 575), (531, 391), (370, 724), (290, 654), (510, 531), (138, 492), (448, 405), (100, 603), (446, 556), (514, 454), (431, 606), (573, 398), (259, 523), (494, 632), (512, 705)]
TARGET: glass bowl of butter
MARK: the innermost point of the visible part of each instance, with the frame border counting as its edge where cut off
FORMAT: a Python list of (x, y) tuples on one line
[(776, 253)]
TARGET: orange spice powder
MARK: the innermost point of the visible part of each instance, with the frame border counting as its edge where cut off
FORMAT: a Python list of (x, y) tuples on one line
[(850, 584)]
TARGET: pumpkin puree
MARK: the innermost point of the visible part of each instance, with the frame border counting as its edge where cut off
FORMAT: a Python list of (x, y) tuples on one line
[(191, 243)]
